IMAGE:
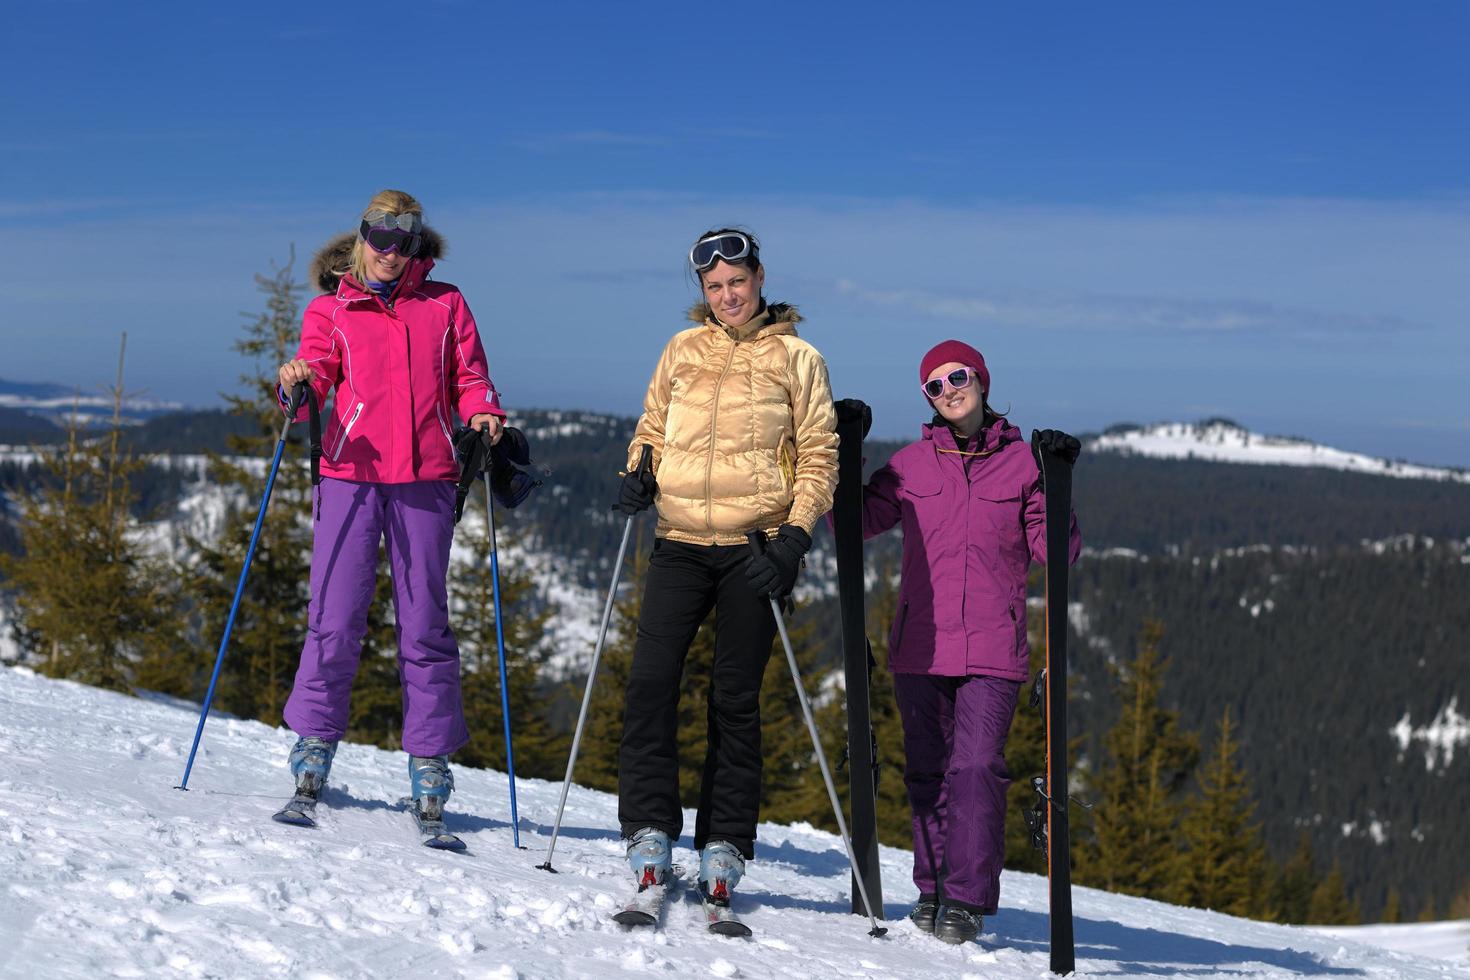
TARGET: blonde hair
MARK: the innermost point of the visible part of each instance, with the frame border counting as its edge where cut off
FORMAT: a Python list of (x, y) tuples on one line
[(393, 202)]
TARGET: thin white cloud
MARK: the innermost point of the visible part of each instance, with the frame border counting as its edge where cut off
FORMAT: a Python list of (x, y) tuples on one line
[(1092, 311)]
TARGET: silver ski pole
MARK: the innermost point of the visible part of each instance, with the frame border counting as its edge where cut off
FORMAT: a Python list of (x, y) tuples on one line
[(758, 545), (644, 462)]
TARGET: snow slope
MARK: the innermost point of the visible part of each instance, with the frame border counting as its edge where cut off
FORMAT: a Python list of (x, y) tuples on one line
[(107, 870), (1225, 442)]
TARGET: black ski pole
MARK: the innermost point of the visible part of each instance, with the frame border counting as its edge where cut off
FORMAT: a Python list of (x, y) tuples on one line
[(298, 392), (645, 460), (757, 541)]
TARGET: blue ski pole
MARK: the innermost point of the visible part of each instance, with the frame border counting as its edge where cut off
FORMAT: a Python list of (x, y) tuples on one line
[(510, 766), (297, 394)]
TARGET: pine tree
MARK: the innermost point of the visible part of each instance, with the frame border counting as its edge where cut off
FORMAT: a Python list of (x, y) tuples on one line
[(1292, 890), (91, 602), (1330, 904), (597, 760), (1223, 863), (1026, 757), (265, 643), (894, 817), (540, 748), (1147, 762), (1392, 906)]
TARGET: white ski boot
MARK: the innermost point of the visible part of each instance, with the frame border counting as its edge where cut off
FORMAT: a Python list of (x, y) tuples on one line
[(651, 856), (311, 761)]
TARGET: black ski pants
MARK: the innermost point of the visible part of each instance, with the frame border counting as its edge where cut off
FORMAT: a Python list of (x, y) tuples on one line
[(682, 583)]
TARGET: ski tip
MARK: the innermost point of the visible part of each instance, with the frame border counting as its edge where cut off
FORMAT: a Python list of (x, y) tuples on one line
[(445, 842), (293, 818), (633, 918), (731, 928)]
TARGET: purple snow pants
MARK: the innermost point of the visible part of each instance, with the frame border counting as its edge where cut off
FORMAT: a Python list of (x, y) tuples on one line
[(954, 735), (416, 522)]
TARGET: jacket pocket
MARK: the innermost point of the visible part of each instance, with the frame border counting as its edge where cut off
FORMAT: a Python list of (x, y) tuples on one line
[(346, 431), (895, 639), (786, 459)]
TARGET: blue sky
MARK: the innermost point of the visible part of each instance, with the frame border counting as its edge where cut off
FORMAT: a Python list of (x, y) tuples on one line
[(1137, 211)]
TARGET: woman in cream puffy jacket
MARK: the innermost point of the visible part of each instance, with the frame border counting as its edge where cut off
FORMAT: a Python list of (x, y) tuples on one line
[(739, 416)]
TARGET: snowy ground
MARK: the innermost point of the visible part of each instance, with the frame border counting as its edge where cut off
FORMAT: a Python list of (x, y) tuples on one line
[(110, 871)]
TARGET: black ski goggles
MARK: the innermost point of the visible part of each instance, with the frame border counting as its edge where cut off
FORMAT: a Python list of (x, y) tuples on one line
[(731, 246), (385, 232)]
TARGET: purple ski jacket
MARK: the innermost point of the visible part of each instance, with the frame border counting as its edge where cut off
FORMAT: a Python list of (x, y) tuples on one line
[(968, 541)]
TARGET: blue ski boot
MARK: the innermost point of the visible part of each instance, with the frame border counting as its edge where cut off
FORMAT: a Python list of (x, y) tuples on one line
[(311, 761), (432, 783), (721, 866), (651, 856)]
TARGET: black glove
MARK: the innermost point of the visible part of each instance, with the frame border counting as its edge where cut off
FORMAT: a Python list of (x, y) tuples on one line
[(636, 493), (1058, 443), (774, 573), (466, 442), (513, 446), (850, 408)]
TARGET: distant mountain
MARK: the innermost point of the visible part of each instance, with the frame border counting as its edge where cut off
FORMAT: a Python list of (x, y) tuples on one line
[(1224, 441), (54, 404)]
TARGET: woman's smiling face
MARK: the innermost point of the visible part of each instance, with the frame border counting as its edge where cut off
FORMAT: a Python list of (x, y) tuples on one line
[(733, 292)]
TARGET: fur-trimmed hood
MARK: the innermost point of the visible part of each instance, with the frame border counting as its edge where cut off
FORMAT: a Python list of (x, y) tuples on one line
[(780, 313), (333, 259)]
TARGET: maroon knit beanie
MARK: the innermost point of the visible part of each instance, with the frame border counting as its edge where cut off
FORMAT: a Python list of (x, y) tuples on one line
[(959, 352)]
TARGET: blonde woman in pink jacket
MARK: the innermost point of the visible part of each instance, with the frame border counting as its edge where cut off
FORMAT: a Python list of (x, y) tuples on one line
[(404, 358)]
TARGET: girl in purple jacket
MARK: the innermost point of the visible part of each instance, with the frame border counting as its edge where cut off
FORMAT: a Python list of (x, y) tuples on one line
[(968, 494)]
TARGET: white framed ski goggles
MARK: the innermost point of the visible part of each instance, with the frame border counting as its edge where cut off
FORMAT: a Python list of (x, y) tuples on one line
[(730, 246), (955, 380)]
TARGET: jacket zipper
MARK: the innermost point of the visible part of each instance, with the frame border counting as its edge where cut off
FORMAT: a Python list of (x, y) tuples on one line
[(709, 465)]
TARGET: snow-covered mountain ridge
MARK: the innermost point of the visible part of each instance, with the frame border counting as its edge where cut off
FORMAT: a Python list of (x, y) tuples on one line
[(1223, 441), (110, 871)]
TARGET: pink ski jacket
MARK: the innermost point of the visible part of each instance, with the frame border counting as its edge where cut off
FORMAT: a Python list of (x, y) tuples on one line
[(403, 371), (968, 541)]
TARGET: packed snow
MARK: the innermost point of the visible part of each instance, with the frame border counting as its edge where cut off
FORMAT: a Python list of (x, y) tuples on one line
[(1225, 442), (109, 870)]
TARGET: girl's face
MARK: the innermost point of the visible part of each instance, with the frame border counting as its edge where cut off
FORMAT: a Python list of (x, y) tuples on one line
[(383, 266), (732, 291), (962, 407)]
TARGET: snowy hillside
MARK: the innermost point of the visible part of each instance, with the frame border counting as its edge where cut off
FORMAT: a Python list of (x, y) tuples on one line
[(1223, 441), (110, 871), (58, 403)]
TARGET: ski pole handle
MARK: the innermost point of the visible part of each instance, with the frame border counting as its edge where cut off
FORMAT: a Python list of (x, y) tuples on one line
[(757, 541), (298, 395), (645, 460)]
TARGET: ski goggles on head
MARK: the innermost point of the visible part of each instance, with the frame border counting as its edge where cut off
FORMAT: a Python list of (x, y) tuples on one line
[(730, 246), (956, 379), (392, 232)]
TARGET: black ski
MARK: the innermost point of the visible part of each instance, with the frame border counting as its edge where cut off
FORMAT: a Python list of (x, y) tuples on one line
[(645, 907), (1056, 480), (431, 829), (299, 811), (853, 419), (720, 919)]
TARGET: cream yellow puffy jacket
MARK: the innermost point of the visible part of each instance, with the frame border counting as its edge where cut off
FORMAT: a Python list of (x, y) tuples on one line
[(742, 428)]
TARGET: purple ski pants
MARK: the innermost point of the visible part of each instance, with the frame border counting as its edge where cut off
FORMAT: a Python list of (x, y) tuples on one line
[(954, 736), (416, 522)]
